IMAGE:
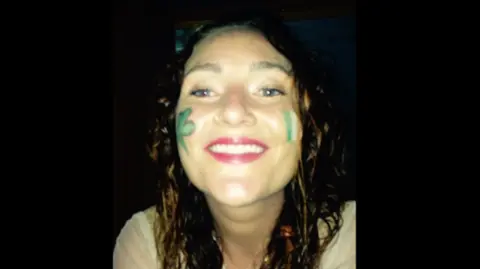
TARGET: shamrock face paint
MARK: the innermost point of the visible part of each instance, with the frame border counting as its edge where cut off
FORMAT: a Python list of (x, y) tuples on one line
[(291, 124), (184, 127)]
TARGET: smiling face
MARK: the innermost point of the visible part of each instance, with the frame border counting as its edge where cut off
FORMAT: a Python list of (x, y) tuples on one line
[(238, 134)]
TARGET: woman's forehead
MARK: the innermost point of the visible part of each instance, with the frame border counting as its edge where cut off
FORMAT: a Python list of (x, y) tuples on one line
[(237, 47)]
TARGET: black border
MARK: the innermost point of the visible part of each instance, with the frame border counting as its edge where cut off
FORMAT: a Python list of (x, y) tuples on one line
[(397, 166)]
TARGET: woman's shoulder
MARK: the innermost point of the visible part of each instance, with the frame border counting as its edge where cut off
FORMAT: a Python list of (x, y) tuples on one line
[(143, 220), (135, 245), (150, 214), (348, 220), (349, 214), (341, 252)]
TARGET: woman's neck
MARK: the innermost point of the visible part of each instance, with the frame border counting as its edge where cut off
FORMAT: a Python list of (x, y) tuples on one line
[(244, 231)]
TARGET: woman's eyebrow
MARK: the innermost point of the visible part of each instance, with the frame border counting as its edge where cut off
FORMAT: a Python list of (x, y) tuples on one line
[(257, 66)]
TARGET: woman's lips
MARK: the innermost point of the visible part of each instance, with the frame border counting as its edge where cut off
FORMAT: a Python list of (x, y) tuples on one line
[(236, 150)]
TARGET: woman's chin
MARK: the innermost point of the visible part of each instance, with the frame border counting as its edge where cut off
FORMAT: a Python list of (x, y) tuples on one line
[(234, 195)]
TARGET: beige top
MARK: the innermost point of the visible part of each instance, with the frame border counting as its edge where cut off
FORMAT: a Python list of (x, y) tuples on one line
[(135, 246)]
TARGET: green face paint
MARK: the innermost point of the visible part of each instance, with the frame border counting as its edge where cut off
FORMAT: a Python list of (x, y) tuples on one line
[(291, 124), (184, 127)]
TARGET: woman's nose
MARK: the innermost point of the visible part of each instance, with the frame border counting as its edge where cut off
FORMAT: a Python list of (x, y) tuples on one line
[(235, 109)]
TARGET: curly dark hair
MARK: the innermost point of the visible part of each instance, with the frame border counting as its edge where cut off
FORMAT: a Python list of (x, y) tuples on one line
[(184, 225)]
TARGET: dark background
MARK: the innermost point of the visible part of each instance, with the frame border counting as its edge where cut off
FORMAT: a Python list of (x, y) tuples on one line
[(144, 38)]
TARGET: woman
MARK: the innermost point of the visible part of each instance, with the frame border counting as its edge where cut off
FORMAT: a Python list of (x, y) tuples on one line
[(248, 151)]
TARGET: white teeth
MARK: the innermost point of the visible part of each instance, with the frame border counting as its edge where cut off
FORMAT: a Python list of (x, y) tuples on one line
[(236, 149)]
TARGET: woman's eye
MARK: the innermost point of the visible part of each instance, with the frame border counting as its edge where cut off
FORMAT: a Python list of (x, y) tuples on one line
[(269, 92), (201, 93)]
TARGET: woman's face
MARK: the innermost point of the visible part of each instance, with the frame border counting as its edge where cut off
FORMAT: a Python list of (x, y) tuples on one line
[(238, 135)]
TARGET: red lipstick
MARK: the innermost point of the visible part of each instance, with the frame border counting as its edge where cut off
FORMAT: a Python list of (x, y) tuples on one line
[(236, 150)]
